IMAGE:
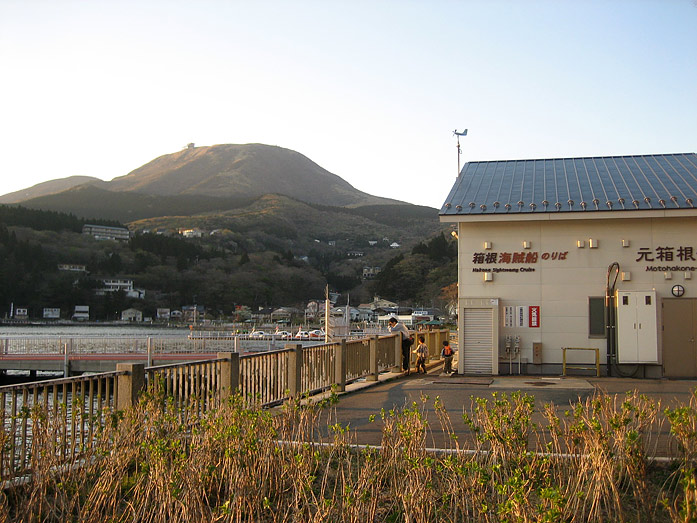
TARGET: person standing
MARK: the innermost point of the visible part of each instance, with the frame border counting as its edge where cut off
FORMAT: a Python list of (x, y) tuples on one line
[(421, 354), (447, 354), (395, 327)]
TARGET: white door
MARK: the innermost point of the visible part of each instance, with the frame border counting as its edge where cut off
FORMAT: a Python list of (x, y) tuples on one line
[(478, 341)]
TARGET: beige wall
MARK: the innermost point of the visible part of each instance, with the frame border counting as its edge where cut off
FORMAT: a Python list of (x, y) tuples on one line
[(561, 287)]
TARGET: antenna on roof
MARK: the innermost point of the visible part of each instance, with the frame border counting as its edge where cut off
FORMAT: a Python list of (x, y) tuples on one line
[(459, 151)]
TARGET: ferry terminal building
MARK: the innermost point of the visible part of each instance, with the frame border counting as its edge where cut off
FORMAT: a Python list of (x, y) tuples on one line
[(590, 253)]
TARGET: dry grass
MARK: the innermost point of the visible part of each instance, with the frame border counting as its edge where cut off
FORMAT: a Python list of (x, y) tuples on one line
[(242, 463)]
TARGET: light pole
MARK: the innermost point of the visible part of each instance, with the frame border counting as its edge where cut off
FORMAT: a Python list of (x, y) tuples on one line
[(459, 151)]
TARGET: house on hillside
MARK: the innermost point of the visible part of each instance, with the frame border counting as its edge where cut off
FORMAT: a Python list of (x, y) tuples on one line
[(370, 272), (81, 313), (72, 267), (596, 253), (51, 313), (120, 284), (104, 232), (191, 233), (285, 314), (133, 315), (262, 315), (377, 303)]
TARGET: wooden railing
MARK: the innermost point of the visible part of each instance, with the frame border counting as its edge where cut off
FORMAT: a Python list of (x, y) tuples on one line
[(198, 384), (76, 408), (73, 410)]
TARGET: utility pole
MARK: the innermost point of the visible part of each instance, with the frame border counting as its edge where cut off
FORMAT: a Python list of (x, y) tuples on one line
[(459, 151)]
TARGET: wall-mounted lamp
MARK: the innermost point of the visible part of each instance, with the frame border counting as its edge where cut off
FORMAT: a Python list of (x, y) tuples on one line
[(526, 244), (625, 243), (487, 245), (688, 275), (580, 244), (488, 276), (667, 275), (626, 276), (454, 234), (593, 244)]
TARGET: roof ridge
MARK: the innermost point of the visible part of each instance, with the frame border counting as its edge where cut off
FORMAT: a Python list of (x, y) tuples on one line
[(581, 157)]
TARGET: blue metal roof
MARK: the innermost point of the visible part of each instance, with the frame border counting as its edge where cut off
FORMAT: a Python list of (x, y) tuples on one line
[(609, 183)]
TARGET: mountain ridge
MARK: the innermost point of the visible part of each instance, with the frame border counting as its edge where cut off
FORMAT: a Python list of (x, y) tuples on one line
[(220, 171), (242, 170), (48, 187)]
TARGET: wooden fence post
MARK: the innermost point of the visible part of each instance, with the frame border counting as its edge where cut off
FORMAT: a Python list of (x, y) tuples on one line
[(149, 351), (373, 375), (66, 361), (340, 365), (129, 385), (229, 374), (295, 368)]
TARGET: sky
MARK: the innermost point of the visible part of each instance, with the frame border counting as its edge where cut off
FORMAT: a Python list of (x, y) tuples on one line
[(371, 90)]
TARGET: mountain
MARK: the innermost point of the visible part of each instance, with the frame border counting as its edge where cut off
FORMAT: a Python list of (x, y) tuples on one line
[(197, 179), (242, 171), (211, 179), (49, 187)]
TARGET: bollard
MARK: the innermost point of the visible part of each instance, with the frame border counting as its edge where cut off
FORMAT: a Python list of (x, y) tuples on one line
[(129, 385)]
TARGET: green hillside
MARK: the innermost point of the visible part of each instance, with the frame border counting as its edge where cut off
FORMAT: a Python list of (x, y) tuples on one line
[(300, 225), (275, 251), (90, 201)]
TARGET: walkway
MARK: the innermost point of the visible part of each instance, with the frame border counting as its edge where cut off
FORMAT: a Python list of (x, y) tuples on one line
[(395, 390)]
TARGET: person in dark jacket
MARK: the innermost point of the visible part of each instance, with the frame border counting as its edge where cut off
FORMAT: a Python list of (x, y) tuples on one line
[(447, 354), (395, 326)]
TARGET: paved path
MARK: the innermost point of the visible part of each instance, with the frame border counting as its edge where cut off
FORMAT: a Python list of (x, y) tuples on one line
[(394, 391)]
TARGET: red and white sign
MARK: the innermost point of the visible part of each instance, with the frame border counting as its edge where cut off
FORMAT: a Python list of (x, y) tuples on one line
[(534, 316)]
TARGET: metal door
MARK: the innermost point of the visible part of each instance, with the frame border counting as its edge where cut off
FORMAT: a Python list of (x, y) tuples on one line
[(478, 340), (679, 334)]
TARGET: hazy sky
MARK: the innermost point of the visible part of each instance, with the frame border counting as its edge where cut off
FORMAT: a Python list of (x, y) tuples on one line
[(369, 89)]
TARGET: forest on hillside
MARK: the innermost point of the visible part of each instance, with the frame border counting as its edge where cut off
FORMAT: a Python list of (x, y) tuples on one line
[(252, 268)]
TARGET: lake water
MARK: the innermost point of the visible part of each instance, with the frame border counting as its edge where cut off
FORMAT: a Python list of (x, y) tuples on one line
[(76, 331)]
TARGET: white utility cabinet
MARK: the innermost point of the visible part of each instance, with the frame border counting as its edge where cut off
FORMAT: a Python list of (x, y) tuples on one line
[(637, 327)]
